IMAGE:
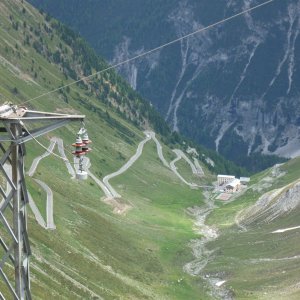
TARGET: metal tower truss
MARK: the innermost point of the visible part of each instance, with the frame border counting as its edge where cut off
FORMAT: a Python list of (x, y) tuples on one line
[(14, 242)]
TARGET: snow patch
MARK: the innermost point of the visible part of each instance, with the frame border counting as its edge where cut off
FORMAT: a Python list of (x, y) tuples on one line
[(286, 229)]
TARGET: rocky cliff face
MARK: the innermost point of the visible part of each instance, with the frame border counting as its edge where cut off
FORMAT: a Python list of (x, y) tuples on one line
[(234, 88), (270, 206), (237, 86)]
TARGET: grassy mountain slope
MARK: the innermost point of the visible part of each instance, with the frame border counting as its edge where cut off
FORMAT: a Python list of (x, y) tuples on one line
[(95, 253), (255, 262), (126, 257)]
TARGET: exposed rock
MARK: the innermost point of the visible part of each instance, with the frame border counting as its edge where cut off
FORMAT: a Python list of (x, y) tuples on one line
[(270, 206), (231, 76), (234, 87)]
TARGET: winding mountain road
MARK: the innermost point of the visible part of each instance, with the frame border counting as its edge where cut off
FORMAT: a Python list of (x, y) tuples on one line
[(174, 170), (159, 148), (125, 167), (151, 135), (37, 160), (199, 169), (180, 154), (61, 151), (195, 167), (105, 186), (36, 212), (172, 166), (49, 208), (86, 167)]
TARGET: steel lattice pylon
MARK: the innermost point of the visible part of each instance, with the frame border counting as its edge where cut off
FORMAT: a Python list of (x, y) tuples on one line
[(14, 241)]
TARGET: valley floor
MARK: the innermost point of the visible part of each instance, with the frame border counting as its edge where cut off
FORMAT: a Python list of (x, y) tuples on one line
[(245, 248), (128, 206)]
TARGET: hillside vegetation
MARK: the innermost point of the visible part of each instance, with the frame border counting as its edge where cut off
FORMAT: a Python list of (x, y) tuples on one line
[(256, 252), (232, 88), (96, 253), (135, 246)]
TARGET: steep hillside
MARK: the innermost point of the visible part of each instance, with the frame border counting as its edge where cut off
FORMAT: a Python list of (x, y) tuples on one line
[(128, 231), (254, 253), (87, 242), (65, 50), (232, 88)]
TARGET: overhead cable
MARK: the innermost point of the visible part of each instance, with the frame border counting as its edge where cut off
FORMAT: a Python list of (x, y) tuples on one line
[(153, 50)]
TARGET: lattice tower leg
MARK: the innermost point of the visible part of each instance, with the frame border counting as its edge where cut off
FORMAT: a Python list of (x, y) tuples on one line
[(13, 216)]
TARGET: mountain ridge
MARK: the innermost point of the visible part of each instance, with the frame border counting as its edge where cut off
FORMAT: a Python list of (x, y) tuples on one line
[(242, 74)]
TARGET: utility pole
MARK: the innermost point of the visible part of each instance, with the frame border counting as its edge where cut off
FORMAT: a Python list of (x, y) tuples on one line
[(14, 242)]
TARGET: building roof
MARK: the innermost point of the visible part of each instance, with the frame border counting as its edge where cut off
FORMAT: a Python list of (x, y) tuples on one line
[(233, 183), (245, 179), (226, 176)]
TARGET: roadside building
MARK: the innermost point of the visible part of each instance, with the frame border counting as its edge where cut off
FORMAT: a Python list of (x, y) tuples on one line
[(244, 180), (224, 179), (233, 186)]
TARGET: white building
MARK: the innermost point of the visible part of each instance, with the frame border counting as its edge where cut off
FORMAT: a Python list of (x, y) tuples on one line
[(223, 179), (233, 186), (245, 180)]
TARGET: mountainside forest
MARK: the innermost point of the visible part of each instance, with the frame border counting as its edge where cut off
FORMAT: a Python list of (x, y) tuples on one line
[(232, 88), (90, 241)]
